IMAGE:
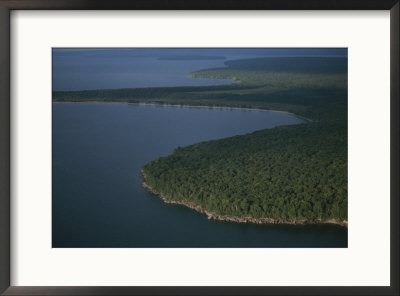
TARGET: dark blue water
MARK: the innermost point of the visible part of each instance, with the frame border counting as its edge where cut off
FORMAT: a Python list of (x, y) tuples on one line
[(98, 201), (85, 72), (102, 68)]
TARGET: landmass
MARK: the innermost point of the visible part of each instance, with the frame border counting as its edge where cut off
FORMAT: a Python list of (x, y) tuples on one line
[(289, 174)]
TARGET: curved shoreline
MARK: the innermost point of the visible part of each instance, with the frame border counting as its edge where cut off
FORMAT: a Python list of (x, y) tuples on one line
[(210, 214), (220, 107), (214, 216), (185, 106)]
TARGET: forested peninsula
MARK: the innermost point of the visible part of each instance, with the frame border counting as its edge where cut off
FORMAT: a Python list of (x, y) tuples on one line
[(289, 174)]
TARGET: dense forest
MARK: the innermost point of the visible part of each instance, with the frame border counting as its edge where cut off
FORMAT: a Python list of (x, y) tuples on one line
[(289, 173)]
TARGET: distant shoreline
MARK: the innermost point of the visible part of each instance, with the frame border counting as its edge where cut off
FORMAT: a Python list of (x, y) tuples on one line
[(214, 216), (186, 106)]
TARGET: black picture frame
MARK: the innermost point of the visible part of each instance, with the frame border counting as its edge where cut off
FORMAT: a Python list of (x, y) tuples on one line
[(7, 5)]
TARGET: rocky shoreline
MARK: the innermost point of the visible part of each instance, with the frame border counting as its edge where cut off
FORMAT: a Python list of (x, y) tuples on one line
[(214, 216)]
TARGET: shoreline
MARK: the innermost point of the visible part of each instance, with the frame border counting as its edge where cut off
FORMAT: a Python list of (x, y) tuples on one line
[(214, 216), (186, 106), (210, 214)]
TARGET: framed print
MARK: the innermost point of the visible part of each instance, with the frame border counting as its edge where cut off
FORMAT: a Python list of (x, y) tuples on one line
[(205, 148)]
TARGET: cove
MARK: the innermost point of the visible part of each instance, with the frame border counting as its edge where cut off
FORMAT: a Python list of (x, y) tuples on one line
[(97, 198)]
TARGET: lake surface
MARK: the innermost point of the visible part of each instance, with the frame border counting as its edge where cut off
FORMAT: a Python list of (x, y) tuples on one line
[(104, 68), (91, 72), (98, 200)]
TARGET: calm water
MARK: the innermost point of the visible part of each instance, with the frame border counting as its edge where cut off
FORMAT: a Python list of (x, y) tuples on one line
[(98, 201), (100, 68), (92, 72)]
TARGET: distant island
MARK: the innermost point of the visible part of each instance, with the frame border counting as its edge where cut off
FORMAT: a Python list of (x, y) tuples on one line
[(289, 174), (190, 58)]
